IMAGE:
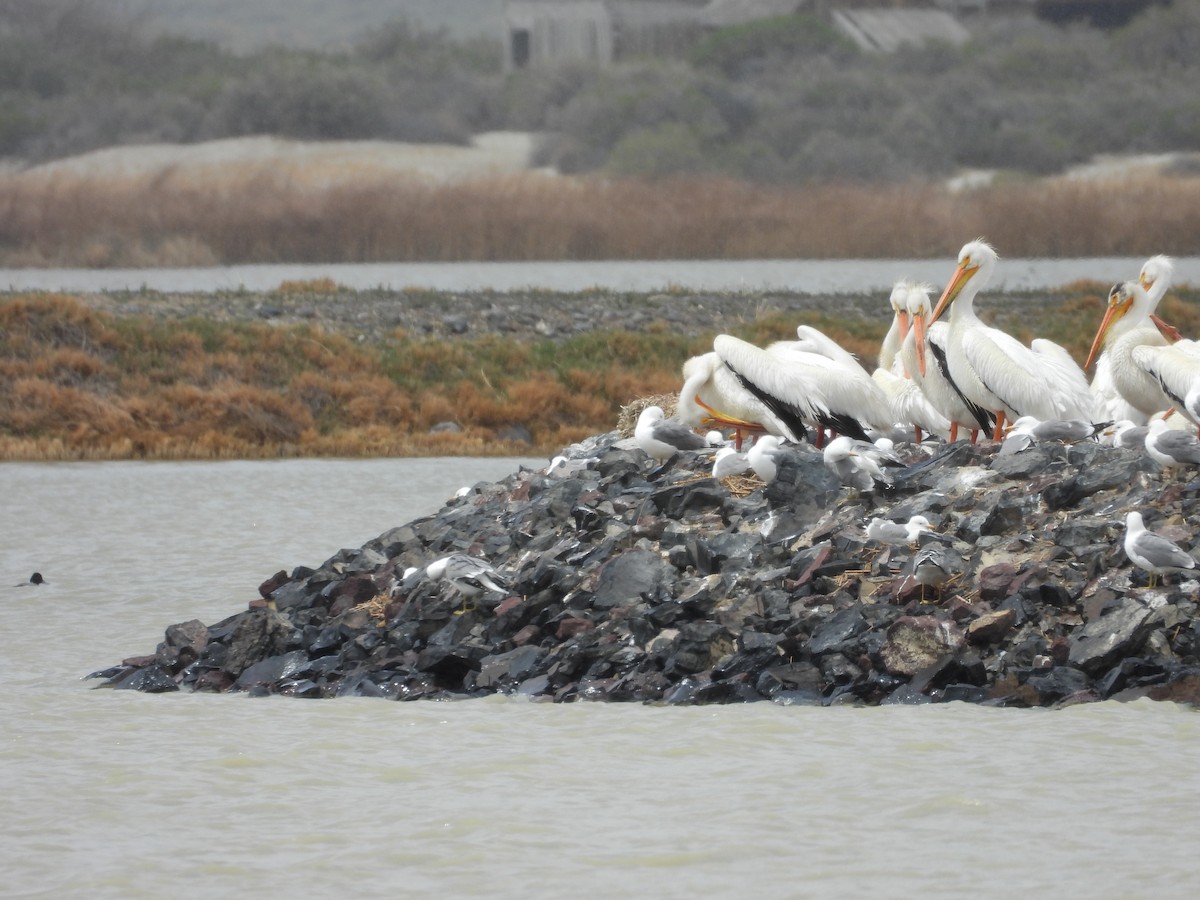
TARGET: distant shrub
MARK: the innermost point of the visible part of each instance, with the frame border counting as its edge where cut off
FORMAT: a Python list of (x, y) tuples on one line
[(737, 50)]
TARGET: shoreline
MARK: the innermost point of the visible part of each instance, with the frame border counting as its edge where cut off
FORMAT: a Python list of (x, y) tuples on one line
[(373, 315)]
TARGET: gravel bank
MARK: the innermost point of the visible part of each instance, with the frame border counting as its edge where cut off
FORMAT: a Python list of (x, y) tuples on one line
[(375, 315)]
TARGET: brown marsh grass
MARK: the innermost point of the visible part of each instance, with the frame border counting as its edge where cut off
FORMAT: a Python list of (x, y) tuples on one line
[(169, 221), (77, 383)]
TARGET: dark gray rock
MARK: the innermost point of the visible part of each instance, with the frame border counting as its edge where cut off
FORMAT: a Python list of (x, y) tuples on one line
[(1118, 633), (632, 582)]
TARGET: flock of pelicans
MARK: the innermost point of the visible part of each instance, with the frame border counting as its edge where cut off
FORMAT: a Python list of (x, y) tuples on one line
[(942, 371)]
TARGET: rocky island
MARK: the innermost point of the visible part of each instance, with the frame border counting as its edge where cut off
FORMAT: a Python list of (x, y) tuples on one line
[(634, 581)]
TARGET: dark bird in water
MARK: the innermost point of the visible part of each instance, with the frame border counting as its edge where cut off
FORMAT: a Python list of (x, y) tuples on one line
[(34, 579)]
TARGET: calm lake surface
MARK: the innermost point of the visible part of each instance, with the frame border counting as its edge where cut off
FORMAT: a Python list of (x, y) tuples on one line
[(125, 795), (807, 276)]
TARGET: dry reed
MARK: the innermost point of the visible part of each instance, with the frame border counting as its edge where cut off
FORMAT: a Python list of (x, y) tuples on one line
[(265, 218)]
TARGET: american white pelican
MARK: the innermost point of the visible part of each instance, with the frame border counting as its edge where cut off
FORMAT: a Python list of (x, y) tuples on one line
[(713, 395), (896, 533), (791, 389), (1171, 447), (1149, 373), (858, 464), (809, 381), (889, 349), (1155, 278), (763, 457), (934, 383), (729, 462), (662, 438), (1153, 552), (993, 370)]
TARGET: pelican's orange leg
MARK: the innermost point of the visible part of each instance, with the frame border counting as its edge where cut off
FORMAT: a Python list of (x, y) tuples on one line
[(999, 435)]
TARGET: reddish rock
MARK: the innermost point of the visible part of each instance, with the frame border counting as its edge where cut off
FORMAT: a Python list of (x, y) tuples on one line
[(996, 582), (571, 627), (274, 583)]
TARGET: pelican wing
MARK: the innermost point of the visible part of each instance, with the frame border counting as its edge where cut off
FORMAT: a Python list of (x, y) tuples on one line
[(853, 401), (1026, 382), (1176, 368), (786, 392)]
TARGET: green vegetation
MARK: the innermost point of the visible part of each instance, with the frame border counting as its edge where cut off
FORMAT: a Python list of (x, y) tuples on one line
[(783, 100)]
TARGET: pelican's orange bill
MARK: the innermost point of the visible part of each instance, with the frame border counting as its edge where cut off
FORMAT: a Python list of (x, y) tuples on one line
[(1118, 304)]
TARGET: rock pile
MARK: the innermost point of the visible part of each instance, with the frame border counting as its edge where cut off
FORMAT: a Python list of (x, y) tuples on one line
[(635, 581)]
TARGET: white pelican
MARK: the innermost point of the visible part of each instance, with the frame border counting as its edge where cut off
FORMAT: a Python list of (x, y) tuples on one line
[(791, 387), (662, 438), (809, 381), (995, 371), (889, 350), (934, 383), (1153, 552), (763, 457), (713, 395), (1149, 373), (1155, 277)]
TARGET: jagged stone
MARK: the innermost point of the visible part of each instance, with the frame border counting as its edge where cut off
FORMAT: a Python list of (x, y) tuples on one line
[(631, 581), (1120, 632)]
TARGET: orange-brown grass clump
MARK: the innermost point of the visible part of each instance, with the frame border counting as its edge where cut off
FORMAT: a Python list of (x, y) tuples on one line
[(76, 383), (267, 218)]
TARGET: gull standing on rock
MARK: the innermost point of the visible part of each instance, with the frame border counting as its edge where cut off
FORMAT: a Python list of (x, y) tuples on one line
[(662, 438), (1153, 552), (1170, 446), (933, 566)]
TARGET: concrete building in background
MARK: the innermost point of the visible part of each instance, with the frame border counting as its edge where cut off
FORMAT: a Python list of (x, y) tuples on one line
[(538, 33)]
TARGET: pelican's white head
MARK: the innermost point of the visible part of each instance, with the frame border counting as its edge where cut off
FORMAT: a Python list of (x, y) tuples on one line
[(976, 262), (1156, 276), (1128, 304)]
